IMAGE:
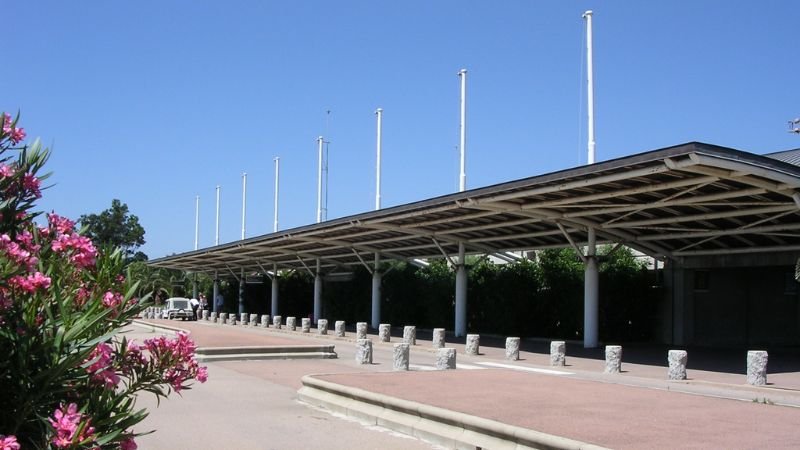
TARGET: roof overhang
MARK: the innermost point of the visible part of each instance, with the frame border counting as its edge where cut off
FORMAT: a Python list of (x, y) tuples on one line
[(689, 200)]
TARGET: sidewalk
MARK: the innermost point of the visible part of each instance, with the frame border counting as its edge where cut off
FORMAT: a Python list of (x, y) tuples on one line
[(636, 409)]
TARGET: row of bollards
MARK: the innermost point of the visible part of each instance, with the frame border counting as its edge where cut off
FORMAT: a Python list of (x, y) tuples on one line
[(446, 357)]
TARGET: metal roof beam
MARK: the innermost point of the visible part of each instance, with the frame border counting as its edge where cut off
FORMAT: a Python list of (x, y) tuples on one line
[(706, 216)]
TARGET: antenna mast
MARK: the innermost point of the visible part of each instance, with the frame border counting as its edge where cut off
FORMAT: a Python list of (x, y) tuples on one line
[(590, 86)]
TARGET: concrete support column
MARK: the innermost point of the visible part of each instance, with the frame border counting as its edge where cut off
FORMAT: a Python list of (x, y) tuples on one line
[(216, 293), (317, 295), (591, 294), (274, 306), (376, 295), (461, 293), (241, 292)]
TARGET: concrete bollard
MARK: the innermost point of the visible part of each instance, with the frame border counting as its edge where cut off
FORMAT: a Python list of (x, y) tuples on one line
[(385, 332), (512, 348), (473, 344), (253, 320), (212, 317), (291, 323), (410, 335), (757, 367), (265, 321), (223, 318), (677, 364), (243, 318), (400, 361), (445, 358), (364, 351), (339, 328), (322, 326), (613, 359), (438, 338), (558, 351), (232, 319), (276, 322), (361, 330), (305, 325), (205, 315)]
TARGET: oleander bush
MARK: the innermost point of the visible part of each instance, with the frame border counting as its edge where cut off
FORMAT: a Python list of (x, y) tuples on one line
[(68, 377)]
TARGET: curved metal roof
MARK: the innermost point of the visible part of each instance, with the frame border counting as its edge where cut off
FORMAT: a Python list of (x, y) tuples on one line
[(691, 199)]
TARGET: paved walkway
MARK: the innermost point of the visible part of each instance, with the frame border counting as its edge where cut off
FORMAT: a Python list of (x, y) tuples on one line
[(636, 409)]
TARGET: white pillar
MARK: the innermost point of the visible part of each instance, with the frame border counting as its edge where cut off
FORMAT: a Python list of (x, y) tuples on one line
[(591, 294), (317, 295), (461, 293), (275, 308), (216, 293), (216, 227), (589, 87), (379, 113), (462, 176), (242, 281), (319, 182), (244, 202), (376, 294), (277, 178)]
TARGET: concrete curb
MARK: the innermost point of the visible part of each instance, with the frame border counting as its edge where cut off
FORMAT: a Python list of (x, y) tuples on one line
[(205, 354), (444, 427), (153, 327)]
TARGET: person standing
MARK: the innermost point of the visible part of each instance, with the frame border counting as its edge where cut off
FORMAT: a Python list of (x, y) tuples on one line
[(195, 304), (219, 302), (203, 302)]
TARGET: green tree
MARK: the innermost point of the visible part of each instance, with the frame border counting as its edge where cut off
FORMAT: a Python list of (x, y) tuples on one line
[(116, 227)]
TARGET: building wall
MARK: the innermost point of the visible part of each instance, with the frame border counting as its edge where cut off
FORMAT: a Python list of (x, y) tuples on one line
[(752, 300)]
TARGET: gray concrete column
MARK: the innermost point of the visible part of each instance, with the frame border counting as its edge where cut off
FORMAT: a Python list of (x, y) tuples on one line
[(384, 332), (558, 351), (512, 348), (591, 294), (445, 358), (216, 293), (473, 344), (305, 323), (438, 338), (410, 335), (613, 359), (677, 364), (757, 367), (274, 306), (276, 322), (376, 294), (253, 320), (291, 323), (317, 295), (400, 354), (461, 294), (339, 328), (241, 292), (322, 326), (361, 330), (364, 351)]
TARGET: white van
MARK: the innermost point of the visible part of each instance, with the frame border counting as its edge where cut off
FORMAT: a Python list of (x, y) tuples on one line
[(177, 307)]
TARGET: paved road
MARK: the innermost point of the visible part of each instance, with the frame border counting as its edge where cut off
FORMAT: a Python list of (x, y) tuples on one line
[(251, 404)]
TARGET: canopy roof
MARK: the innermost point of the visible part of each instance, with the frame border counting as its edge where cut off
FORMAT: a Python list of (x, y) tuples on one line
[(691, 199)]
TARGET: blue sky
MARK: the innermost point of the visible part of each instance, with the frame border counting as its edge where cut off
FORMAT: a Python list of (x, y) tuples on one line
[(155, 102)]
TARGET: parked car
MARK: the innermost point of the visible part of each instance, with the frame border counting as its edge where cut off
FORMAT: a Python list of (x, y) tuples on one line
[(177, 307)]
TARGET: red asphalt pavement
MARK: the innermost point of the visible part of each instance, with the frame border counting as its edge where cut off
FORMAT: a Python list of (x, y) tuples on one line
[(599, 409)]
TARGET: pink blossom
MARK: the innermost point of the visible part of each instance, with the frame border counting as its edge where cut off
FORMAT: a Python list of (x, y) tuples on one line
[(112, 299), (82, 295), (61, 224), (8, 442), (83, 253), (23, 255), (6, 171), (127, 444), (66, 422), (176, 358), (30, 283), (31, 184), (15, 135), (101, 369)]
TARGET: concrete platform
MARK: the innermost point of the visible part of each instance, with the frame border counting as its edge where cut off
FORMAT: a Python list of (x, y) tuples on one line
[(494, 403)]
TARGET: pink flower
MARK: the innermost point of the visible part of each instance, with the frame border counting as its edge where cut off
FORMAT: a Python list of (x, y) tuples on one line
[(6, 171), (112, 299), (62, 225), (83, 253), (66, 422), (127, 444), (8, 442), (31, 184), (15, 135), (175, 357), (101, 369), (30, 283), (24, 254)]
